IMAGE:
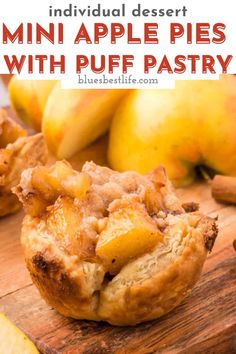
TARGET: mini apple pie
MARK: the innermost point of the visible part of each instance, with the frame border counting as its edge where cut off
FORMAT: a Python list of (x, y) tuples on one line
[(17, 152), (103, 245)]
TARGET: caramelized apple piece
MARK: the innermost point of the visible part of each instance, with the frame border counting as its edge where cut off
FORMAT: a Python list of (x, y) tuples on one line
[(60, 179), (64, 220), (129, 233)]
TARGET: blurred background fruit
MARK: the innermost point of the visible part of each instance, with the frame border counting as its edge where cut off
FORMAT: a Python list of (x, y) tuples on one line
[(4, 101), (29, 99), (73, 119), (70, 119), (187, 129), (190, 126)]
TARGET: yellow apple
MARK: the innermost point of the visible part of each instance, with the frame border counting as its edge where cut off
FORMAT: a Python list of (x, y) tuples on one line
[(75, 118), (191, 125), (28, 98)]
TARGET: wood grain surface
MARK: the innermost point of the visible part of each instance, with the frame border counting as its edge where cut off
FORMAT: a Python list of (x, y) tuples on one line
[(204, 323)]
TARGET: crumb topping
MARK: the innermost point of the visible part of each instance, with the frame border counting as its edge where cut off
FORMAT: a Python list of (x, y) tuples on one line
[(84, 210)]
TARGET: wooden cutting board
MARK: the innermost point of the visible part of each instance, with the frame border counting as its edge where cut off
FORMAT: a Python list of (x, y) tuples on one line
[(204, 323)]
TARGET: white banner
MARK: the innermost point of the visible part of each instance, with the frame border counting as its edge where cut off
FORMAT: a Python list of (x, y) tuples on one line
[(117, 44)]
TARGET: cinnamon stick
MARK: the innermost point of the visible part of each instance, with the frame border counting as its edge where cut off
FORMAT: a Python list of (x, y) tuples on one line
[(224, 189)]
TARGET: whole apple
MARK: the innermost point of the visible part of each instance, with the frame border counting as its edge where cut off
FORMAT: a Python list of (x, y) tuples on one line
[(189, 126), (29, 98)]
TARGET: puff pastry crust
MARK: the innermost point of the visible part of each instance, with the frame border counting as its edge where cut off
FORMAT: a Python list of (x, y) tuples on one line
[(67, 212), (17, 152)]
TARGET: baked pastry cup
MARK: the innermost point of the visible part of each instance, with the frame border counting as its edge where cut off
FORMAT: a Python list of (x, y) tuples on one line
[(103, 245), (17, 152)]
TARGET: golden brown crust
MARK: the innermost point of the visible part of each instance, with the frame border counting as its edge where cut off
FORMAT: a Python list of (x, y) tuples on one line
[(210, 234), (148, 286), (160, 293), (10, 131), (9, 204), (190, 207), (67, 295), (17, 153), (69, 285)]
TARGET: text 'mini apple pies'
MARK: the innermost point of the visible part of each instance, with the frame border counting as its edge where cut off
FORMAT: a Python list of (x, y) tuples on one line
[(17, 152), (103, 245)]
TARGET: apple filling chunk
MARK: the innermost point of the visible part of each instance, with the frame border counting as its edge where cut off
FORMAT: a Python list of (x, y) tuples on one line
[(129, 233)]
